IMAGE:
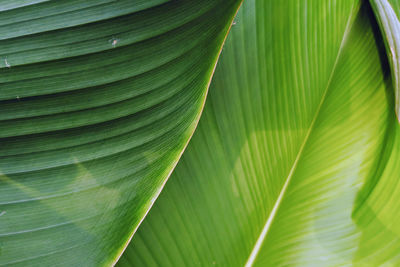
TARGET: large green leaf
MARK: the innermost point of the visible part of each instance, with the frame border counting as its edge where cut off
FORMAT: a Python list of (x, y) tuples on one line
[(295, 160), (98, 100)]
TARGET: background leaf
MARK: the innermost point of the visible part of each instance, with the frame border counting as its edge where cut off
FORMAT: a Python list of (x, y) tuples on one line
[(293, 162), (98, 100), (387, 14)]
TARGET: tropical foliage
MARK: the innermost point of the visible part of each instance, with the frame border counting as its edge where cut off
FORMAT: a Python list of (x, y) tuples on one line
[(295, 161)]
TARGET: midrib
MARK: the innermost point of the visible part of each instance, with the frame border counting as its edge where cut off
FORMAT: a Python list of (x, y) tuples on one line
[(278, 201)]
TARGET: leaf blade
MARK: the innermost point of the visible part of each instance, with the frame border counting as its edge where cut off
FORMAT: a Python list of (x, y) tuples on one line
[(81, 166)]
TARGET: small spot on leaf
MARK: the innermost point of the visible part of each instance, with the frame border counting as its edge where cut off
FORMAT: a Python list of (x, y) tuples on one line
[(6, 63), (114, 41)]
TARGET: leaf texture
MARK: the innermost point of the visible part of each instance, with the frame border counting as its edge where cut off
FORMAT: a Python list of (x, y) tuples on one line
[(98, 99), (294, 159)]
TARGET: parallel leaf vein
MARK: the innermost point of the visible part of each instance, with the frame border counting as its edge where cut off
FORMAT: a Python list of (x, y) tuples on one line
[(278, 201)]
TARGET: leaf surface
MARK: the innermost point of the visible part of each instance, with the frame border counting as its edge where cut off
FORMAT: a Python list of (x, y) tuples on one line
[(294, 159), (98, 99)]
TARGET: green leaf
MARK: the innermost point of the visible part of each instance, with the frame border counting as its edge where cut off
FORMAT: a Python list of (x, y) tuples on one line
[(387, 13), (98, 99), (295, 160)]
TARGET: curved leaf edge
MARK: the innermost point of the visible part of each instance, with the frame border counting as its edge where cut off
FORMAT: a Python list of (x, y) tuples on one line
[(192, 129)]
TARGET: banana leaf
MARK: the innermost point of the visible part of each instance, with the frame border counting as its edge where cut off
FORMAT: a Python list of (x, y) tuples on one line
[(295, 160), (98, 99)]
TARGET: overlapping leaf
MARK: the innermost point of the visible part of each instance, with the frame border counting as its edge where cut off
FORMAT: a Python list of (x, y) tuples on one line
[(97, 101), (387, 14)]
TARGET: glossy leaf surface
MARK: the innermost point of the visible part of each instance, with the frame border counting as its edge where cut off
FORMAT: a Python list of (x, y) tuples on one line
[(295, 160), (97, 102)]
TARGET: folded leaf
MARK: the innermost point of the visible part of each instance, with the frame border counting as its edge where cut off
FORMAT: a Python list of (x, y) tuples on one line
[(97, 101), (387, 14)]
